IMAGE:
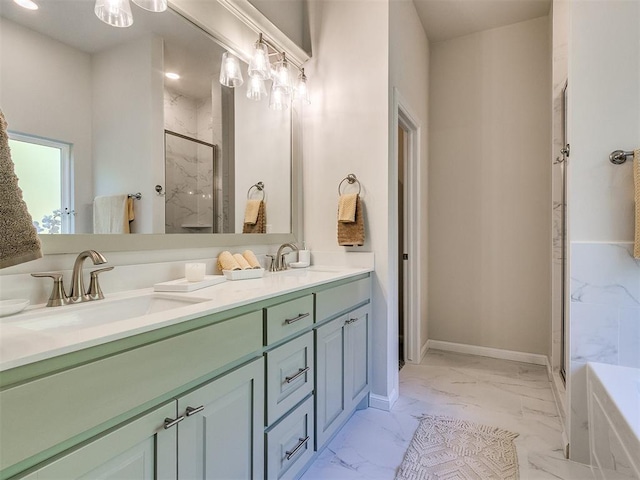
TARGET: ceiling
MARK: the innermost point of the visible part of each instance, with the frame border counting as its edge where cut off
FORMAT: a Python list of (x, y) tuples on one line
[(187, 50), (446, 19)]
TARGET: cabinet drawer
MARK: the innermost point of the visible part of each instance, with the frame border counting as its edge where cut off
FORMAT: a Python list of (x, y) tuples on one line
[(333, 301), (290, 443), (289, 375), (289, 317), (43, 413)]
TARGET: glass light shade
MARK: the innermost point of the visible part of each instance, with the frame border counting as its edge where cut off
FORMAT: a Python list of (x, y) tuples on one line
[(116, 13), (28, 4), (279, 98), (302, 91), (256, 89), (282, 76), (259, 65), (152, 5), (230, 73)]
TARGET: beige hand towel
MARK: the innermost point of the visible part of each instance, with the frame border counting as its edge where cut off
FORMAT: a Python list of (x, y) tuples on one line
[(244, 265), (636, 183), (251, 258), (352, 234), (260, 225), (251, 211), (111, 214), (19, 241), (347, 207), (227, 262)]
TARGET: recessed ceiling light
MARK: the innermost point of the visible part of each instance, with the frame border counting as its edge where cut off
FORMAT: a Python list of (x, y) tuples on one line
[(172, 76), (28, 4)]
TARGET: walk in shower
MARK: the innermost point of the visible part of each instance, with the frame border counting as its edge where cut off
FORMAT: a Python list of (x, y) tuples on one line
[(190, 184)]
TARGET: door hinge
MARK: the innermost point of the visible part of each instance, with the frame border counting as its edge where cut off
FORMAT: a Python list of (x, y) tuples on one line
[(405, 256)]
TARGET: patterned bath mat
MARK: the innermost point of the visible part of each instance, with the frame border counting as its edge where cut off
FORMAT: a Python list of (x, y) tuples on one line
[(446, 448)]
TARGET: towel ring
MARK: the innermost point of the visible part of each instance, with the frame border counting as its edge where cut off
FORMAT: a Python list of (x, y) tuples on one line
[(258, 186), (351, 179)]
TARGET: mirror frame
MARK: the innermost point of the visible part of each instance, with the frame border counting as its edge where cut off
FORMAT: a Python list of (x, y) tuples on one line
[(235, 24)]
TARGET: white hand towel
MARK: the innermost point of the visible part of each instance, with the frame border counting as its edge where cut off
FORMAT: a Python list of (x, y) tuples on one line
[(111, 214)]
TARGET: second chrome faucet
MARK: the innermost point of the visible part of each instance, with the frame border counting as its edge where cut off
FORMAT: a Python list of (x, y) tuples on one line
[(77, 293)]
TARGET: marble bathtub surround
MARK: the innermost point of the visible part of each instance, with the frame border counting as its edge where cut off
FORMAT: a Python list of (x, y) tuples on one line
[(510, 395)]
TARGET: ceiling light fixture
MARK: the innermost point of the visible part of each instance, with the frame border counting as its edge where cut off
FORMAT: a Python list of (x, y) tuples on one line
[(172, 75), (28, 4), (261, 70), (152, 5), (116, 13)]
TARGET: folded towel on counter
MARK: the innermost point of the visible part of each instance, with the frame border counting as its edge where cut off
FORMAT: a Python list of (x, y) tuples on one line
[(347, 207), (251, 211), (244, 265), (636, 182), (19, 241), (226, 261), (111, 214), (352, 234), (260, 225), (251, 259)]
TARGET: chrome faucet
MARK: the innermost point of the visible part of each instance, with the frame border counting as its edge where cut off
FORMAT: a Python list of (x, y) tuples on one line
[(58, 296), (78, 293), (281, 263)]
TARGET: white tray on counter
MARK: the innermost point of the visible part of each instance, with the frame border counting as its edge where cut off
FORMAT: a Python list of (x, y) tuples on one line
[(243, 274), (182, 285)]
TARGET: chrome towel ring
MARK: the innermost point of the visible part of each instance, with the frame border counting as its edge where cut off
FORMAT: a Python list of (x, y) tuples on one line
[(258, 186), (351, 179)]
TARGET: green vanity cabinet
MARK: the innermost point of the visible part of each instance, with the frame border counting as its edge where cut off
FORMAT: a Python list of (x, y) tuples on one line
[(342, 370), (142, 449)]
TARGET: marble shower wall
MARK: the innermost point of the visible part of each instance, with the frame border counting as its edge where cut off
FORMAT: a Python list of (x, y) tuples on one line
[(605, 321), (189, 175)]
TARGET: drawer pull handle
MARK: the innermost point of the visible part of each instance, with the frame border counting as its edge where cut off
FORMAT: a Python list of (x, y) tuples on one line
[(193, 411), (300, 316), (301, 443), (301, 372), (350, 321), (170, 422)]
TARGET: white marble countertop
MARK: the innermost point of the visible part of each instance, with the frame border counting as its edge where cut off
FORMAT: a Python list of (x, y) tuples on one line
[(25, 338)]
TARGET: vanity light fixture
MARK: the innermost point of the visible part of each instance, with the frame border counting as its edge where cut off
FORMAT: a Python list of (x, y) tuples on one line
[(301, 91), (28, 4), (261, 70), (230, 73), (172, 75), (152, 5), (116, 13)]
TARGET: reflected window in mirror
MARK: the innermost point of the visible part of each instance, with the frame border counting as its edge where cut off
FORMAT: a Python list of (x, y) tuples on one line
[(43, 168)]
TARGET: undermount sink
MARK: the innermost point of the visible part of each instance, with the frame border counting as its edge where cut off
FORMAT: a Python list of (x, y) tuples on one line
[(91, 314)]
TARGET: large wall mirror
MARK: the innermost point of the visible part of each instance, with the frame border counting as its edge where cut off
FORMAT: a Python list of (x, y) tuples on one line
[(193, 149)]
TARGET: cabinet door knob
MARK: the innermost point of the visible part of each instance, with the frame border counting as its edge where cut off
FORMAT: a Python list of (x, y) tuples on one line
[(300, 316), (193, 411), (301, 372), (170, 422)]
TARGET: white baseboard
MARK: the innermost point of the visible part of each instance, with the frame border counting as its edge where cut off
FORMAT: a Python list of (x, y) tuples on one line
[(383, 403), (534, 358), (423, 350)]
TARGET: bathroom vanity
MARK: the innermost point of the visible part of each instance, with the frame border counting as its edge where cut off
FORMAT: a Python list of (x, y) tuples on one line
[(251, 380)]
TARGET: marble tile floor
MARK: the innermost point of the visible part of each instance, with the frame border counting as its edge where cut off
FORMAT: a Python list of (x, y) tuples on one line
[(511, 395)]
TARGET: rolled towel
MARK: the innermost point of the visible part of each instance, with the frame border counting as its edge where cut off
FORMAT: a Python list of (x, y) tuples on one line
[(347, 207), (251, 258), (226, 261), (244, 265), (251, 211)]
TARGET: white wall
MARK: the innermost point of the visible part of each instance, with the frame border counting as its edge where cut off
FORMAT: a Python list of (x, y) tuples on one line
[(263, 154), (36, 71), (346, 131), (490, 188), (128, 78), (604, 115), (409, 74)]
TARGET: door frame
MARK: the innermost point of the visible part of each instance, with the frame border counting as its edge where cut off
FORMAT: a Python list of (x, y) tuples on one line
[(402, 116)]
